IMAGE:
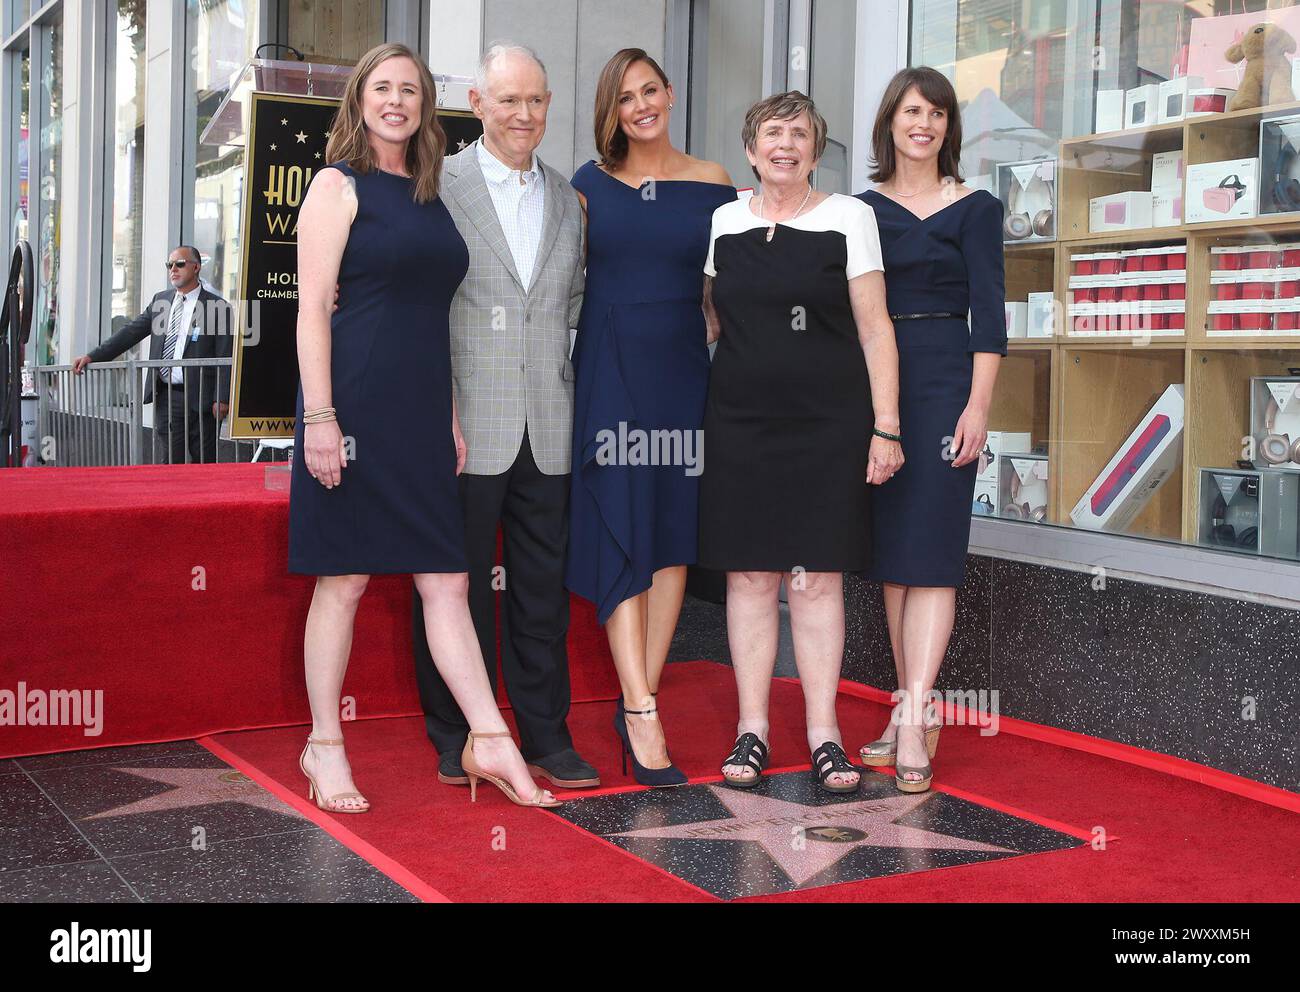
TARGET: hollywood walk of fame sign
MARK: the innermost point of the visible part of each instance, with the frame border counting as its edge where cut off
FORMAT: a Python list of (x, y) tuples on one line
[(787, 834), (286, 146)]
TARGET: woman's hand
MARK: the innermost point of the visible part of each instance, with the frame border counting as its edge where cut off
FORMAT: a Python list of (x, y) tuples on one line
[(969, 437), (462, 449), (324, 454), (883, 460)]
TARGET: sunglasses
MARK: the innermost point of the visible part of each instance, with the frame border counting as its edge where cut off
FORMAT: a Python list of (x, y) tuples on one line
[(176, 265)]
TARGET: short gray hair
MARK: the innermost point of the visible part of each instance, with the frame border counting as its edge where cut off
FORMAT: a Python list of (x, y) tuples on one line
[(784, 107), (498, 49)]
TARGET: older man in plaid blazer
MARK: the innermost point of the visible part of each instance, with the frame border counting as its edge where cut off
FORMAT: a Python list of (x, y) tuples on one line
[(513, 384)]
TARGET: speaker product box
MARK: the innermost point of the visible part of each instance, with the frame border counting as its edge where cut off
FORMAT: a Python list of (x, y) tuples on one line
[(1119, 212), (1141, 105), (1143, 463), (1110, 111)]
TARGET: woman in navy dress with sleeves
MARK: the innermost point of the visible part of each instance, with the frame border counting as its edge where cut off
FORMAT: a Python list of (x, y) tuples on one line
[(378, 447), (641, 366), (942, 246)]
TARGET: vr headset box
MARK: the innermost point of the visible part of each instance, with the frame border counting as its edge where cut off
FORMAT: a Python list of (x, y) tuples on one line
[(1142, 465)]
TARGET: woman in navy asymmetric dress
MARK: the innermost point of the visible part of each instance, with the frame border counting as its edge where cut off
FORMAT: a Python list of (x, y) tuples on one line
[(641, 366), (382, 497), (942, 246)]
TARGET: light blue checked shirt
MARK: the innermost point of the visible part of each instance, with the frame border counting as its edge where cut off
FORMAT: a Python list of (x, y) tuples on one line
[(520, 202)]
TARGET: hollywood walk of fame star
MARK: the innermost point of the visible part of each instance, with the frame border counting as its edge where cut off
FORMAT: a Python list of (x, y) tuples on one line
[(302, 138), (806, 840), (196, 787)]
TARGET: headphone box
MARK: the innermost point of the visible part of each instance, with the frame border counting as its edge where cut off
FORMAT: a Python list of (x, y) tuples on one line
[(1172, 102), (1207, 100), (1041, 321), (1275, 421), (1141, 105), (1022, 487), (995, 447), (1279, 143), (1250, 512), (1119, 211), (1143, 463), (1017, 318), (1110, 111), (1219, 191), (1028, 193)]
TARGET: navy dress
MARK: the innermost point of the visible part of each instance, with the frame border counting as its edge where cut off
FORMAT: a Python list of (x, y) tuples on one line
[(951, 262), (397, 509), (641, 365)]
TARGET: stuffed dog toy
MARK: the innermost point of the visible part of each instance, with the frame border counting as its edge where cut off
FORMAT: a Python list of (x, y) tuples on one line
[(1268, 72)]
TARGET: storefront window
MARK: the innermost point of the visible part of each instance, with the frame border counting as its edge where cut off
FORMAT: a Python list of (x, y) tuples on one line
[(221, 37), (1152, 248), (127, 110), (833, 61), (726, 80), (47, 309), (18, 223)]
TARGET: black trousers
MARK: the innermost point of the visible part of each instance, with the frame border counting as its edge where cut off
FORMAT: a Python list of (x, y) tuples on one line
[(532, 510), (175, 429)]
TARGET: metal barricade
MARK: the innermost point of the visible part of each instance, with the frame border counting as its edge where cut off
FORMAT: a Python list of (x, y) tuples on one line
[(98, 417)]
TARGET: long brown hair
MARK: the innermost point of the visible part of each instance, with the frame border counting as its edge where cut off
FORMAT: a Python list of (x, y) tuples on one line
[(348, 141), (611, 142), (934, 86)]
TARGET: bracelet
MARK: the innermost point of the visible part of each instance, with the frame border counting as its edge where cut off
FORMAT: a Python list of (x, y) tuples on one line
[(888, 437), (322, 416)]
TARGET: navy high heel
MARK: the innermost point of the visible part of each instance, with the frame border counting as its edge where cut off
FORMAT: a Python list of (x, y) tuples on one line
[(655, 778)]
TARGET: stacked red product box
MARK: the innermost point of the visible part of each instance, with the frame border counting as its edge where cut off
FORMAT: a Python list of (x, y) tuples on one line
[(1254, 290), (1136, 291)]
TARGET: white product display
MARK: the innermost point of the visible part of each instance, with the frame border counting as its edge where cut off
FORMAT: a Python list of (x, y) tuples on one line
[(1022, 492), (1017, 319), (1219, 191), (1119, 211), (1143, 463), (1173, 102), (1275, 421), (1042, 315), (1140, 105), (1028, 193), (1207, 100), (1167, 173), (1110, 111), (1167, 209), (985, 503)]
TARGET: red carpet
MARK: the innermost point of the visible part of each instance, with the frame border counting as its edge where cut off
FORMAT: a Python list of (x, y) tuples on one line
[(1174, 839), (167, 588)]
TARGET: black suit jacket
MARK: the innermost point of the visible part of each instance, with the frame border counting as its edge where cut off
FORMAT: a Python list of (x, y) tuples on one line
[(214, 326)]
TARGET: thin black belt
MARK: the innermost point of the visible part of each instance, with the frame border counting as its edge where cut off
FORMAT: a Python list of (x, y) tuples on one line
[(926, 316)]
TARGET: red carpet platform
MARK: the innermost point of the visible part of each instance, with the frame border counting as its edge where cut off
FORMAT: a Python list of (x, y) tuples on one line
[(1169, 838), (167, 589)]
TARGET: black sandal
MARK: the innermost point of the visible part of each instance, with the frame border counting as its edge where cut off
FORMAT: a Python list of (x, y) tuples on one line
[(744, 754), (829, 759)]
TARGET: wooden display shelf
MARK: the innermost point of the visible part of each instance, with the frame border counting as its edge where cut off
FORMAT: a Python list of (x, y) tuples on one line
[(1128, 238), (1127, 342), (1031, 344), (1134, 138), (1221, 343)]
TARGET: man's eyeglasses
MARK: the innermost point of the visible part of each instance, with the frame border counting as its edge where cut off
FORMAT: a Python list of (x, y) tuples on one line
[(176, 265)]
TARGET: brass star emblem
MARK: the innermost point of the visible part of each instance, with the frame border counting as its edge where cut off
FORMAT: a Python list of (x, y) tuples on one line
[(302, 138)]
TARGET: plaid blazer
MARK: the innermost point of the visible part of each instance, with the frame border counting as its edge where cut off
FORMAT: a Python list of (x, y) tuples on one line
[(510, 342)]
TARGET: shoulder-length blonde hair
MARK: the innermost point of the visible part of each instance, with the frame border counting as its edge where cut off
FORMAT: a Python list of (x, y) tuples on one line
[(611, 142), (348, 141)]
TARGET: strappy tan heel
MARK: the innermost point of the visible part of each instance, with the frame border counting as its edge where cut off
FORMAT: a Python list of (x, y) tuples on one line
[(926, 773), (474, 772), (313, 790), (881, 752)]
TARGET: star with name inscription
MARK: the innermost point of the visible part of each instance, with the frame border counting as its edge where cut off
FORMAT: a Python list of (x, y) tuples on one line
[(197, 787), (806, 840)]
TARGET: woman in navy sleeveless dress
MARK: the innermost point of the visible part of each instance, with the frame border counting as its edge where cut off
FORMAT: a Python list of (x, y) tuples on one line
[(641, 365), (376, 444), (942, 248)]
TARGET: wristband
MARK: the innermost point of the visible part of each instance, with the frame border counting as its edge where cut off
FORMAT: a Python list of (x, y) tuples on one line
[(887, 436)]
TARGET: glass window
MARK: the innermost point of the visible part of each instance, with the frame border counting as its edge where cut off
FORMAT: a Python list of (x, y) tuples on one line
[(18, 223), (51, 144), (1152, 247), (127, 154), (726, 80), (221, 37), (833, 61)]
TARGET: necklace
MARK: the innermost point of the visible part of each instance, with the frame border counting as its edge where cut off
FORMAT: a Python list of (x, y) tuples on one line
[(919, 191), (771, 229)]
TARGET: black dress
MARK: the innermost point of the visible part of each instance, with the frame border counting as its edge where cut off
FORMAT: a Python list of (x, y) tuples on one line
[(397, 509), (787, 425), (950, 262)]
